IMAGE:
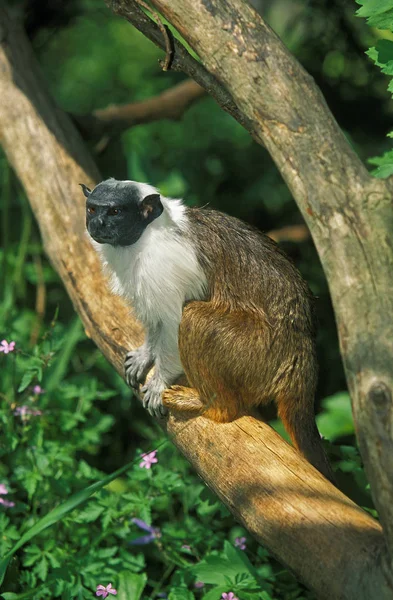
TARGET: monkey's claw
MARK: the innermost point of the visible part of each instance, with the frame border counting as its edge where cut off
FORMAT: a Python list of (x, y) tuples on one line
[(137, 365), (152, 399)]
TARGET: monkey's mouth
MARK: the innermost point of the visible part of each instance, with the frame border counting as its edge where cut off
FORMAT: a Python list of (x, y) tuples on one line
[(101, 239)]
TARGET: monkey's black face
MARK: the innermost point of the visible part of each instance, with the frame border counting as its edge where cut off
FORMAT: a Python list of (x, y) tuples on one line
[(118, 212)]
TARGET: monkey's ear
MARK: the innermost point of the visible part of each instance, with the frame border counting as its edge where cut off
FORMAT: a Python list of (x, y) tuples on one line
[(151, 207), (85, 189)]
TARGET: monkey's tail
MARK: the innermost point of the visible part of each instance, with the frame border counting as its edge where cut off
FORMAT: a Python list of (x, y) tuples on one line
[(301, 426)]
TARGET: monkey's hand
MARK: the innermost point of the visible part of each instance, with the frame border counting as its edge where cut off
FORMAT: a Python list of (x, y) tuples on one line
[(137, 365), (152, 399)]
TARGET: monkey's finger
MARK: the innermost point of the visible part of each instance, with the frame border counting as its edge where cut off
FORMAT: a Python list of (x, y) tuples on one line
[(162, 411)]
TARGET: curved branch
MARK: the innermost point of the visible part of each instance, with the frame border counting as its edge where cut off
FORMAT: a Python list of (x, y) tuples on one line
[(333, 546)]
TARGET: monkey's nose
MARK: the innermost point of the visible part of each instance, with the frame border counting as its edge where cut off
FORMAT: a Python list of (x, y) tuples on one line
[(101, 221)]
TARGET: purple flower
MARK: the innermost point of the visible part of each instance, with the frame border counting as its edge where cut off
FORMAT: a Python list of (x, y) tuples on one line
[(105, 591), (25, 411), (3, 501), (240, 542), (7, 503), (154, 533), (7, 347), (37, 389), (199, 584), (148, 460), (229, 596)]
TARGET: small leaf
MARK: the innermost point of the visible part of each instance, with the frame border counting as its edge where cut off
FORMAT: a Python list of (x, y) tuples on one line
[(215, 570), (131, 585), (89, 514), (106, 552), (32, 555), (41, 569), (240, 561), (215, 593), (27, 378), (181, 593)]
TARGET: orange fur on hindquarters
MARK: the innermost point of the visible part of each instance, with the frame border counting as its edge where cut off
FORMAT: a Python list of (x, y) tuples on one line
[(234, 362)]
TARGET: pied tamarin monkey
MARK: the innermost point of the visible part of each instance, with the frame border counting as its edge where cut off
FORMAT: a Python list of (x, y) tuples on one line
[(220, 303)]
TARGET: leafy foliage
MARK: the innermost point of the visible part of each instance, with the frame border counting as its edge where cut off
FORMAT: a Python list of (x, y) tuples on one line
[(379, 14)]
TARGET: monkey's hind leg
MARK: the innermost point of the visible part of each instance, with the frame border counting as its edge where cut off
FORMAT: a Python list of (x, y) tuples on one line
[(180, 399), (208, 346)]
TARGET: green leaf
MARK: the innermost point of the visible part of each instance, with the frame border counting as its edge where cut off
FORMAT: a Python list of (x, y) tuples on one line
[(41, 569), (383, 172), (215, 570), (336, 419), (106, 552), (89, 514), (240, 561), (216, 593), (181, 593), (131, 585), (57, 372), (384, 49), (379, 13), (54, 563), (32, 555), (27, 378)]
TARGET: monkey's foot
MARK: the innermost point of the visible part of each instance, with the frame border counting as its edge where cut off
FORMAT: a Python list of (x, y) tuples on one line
[(182, 399), (152, 399), (137, 365)]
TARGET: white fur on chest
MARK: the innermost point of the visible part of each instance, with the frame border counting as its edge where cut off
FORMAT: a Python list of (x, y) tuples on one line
[(158, 273)]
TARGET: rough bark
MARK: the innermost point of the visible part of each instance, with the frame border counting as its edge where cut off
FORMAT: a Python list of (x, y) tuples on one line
[(333, 546), (349, 214)]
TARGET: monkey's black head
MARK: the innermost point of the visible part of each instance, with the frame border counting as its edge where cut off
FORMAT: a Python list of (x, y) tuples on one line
[(118, 212)]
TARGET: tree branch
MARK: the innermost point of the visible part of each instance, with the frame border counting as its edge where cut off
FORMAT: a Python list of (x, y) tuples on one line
[(333, 546), (291, 233), (349, 214), (170, 104)]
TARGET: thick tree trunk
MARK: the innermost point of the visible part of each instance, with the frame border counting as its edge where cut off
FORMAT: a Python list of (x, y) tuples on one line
[(332, 545), (349, 214)]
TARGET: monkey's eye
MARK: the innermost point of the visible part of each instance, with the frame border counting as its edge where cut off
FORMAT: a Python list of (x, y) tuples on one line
[(91, 210), (114, 211)]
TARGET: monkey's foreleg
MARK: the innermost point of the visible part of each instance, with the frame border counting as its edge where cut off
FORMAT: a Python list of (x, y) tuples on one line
[(167, 369), (137, 364)]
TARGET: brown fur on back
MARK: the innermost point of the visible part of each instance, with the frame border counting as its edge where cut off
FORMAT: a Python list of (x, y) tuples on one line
[(253, 338)]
